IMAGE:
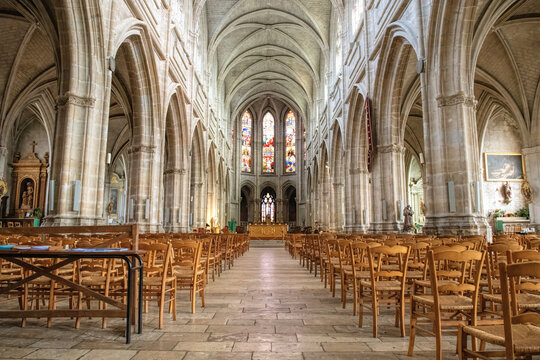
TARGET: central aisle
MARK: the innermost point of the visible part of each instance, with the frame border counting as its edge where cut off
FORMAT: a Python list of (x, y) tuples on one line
[(269, 307)]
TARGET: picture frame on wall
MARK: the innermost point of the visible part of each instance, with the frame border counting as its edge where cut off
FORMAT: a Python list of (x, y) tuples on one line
[(504, 166)]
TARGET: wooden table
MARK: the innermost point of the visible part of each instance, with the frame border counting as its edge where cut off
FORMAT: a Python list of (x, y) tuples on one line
[(130, 257)]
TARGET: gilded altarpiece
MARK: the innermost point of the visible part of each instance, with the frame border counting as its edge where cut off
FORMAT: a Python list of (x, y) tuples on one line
[(29, 184)]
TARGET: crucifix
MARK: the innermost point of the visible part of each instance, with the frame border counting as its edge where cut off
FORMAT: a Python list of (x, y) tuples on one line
[(34, 143)]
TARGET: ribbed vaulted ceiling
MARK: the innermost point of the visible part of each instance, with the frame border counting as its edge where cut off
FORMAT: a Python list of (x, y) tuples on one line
[(268, 48)]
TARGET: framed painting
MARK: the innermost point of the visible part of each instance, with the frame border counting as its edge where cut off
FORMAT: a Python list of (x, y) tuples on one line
[(504, 167)]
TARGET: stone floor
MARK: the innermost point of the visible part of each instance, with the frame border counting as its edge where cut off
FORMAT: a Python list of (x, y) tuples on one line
[(265, 307)]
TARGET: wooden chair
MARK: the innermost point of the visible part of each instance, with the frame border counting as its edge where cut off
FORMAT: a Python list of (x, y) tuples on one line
[(451, 295), (159, 280), (496, 254), (388, 272), (359, 267), (520, 332), (187, 268)]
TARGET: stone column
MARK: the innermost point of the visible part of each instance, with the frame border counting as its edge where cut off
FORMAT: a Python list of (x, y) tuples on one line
[(78, 130), (387, 187), (256, 211), (337, 208), (140, 169), (279, 210), (175, 198), (532, 166), (3, 162), (452, 167)]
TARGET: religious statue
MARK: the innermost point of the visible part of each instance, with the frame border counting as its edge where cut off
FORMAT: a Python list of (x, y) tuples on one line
[(3, 188), (110, 207), (527, 191), (507, 192), (28, 197), (268, 219), (407, 218)]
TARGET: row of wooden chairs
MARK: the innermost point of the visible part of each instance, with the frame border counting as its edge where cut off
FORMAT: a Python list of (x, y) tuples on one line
[(448, 281), (171, 263)]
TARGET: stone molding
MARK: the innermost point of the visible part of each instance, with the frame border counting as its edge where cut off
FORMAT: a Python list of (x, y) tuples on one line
[(69, 98), (456, 99), (175, 171), (142, 149), (392, 148)]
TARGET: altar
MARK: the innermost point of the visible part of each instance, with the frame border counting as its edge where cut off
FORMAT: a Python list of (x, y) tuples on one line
[(267, 231)]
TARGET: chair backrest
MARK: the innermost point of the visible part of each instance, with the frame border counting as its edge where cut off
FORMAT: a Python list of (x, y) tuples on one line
[(456, 266), (496, 253), (511, 277), (388, 262), (157, 259), (187, 254)]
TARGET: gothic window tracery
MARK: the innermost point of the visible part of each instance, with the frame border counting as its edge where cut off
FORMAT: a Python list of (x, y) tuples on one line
[(290, 143), (268, 207), (246, 142), (268, 144)]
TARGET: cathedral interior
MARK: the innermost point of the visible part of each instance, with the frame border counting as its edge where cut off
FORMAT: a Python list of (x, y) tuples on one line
[(337, 116)]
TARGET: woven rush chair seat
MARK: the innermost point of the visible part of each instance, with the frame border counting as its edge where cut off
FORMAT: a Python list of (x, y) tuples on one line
[(526, 301), (155, 281), (383, 285), (184, 271), (427, 283), (526, 337), (447, 302)]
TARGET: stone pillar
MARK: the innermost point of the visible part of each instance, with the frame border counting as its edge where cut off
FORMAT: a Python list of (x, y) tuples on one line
[(387, 187), (175, 199), (141, 159), (532, 166), (337, 208), (3, 162), (452, 167), (78, 130), (256, 211), (199, 206), (280, 208)]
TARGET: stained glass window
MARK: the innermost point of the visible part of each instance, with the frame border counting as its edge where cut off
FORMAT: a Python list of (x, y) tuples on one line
[(268, 207), (246, 142), (268, 143), (290, 143)]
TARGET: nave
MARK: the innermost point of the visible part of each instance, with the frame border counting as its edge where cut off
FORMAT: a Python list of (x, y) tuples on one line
[(266, 307)]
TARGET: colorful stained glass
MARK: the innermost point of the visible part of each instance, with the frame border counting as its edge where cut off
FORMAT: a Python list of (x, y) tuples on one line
[(290, 143), (268, 207), (268, 143), (246, 142)]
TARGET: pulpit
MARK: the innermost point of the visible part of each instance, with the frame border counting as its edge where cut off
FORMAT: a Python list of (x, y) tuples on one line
[(29, 181)]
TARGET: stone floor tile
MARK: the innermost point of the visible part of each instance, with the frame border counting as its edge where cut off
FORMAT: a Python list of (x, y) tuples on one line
[(345, 347), (296, 347), (15, 352), (59, 354), (252, 346), (109, 355), (159, 355), (205, 346)]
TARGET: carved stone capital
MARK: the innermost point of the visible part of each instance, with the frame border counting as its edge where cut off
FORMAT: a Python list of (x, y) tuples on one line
[(69, 98), (175, 171), (456, 99), (392, 148), (148, 149)]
